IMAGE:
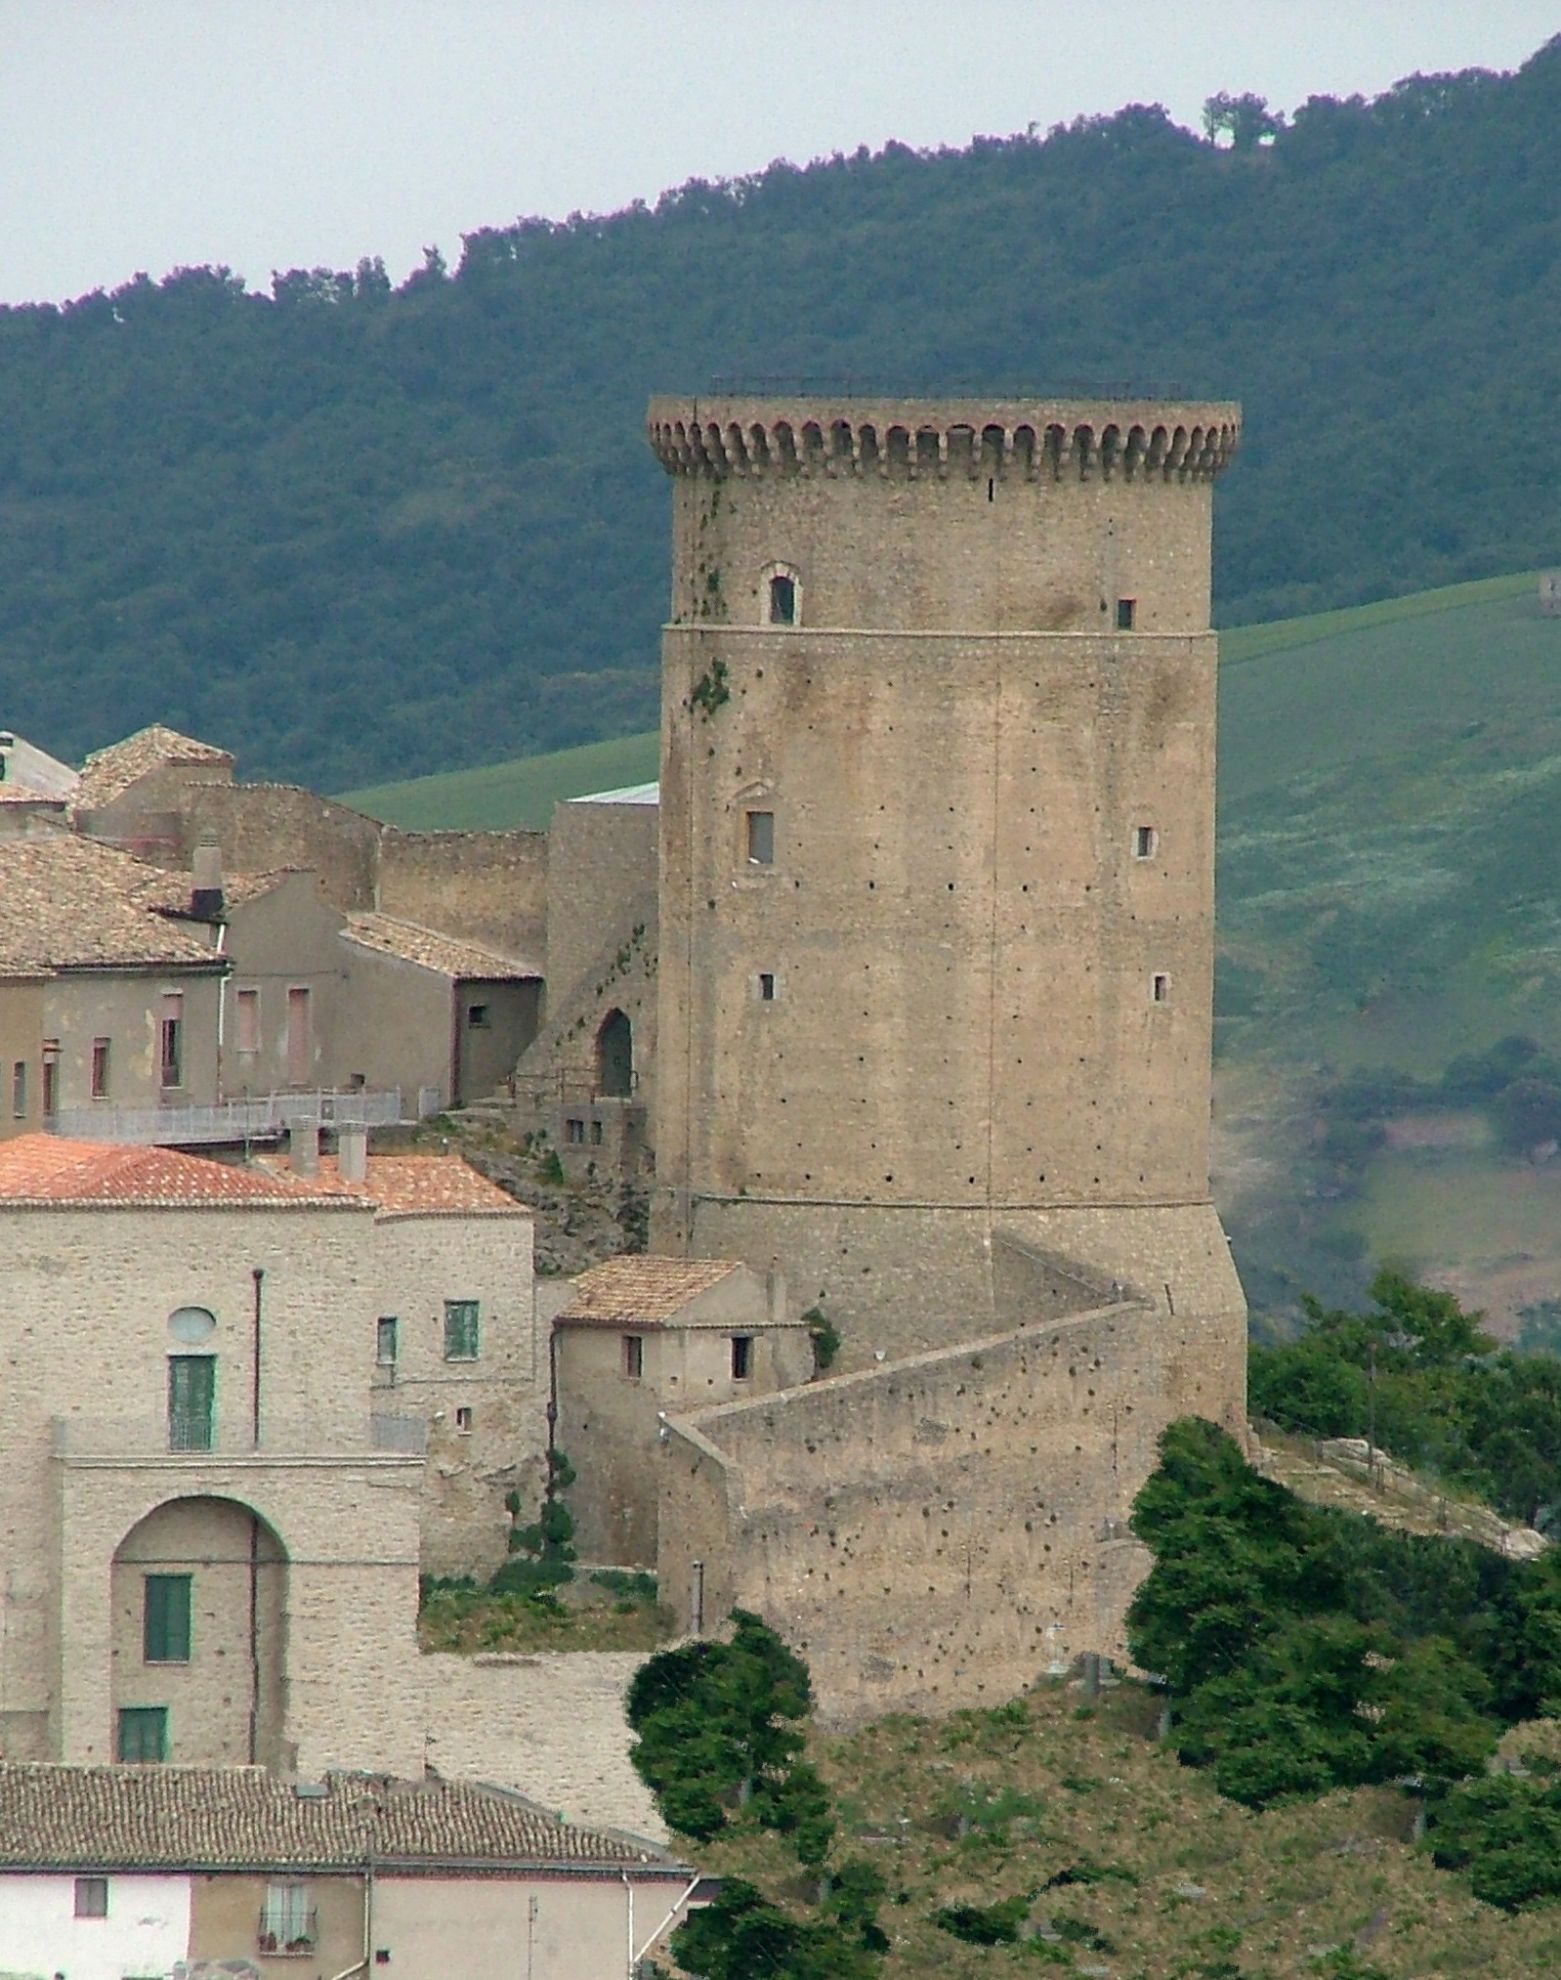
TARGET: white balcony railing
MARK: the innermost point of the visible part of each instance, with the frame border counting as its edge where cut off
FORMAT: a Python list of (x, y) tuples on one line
[(258, 1119)]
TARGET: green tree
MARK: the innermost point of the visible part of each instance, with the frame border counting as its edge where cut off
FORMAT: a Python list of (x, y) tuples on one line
[(1505, 1833), (1246, 120), (719, 1737), (741, 1936)]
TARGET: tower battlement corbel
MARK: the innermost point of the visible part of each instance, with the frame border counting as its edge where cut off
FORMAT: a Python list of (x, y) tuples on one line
[(1028, 439)]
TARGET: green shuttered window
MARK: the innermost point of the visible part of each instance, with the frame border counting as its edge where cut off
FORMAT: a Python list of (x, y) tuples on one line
[(460, 1330), (143, 1733), (165, 1632)]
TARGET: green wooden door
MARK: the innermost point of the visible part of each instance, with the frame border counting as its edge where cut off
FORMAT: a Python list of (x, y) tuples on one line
[(192, 1392)]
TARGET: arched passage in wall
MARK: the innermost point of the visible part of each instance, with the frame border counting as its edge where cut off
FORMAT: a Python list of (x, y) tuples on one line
[(199, 1636), (615, 1057)]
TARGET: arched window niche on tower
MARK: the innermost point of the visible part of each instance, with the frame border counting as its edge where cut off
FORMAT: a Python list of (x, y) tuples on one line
[(780, 595)]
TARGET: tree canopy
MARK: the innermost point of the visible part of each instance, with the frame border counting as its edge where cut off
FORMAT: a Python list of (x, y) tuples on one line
[(357, 532)]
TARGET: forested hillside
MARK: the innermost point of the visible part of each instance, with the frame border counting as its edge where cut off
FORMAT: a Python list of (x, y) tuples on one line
[(355, 532)]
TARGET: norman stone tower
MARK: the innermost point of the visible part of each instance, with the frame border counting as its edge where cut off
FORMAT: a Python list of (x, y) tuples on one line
[(937, 857)]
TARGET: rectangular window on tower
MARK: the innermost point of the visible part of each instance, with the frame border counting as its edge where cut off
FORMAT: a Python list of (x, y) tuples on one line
[(1126, 611), (761, 838)]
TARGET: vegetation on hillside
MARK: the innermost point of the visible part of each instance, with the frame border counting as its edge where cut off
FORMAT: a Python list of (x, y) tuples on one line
[(1308, 1649), (355, 532), (1417, 1374), (1059, 1830)]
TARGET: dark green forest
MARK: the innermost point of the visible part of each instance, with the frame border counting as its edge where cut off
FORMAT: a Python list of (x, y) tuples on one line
[(357, 532)]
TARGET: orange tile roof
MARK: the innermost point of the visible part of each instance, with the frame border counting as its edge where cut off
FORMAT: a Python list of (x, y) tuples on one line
[(51, 1168), (108, 773), (647, 1291), (401, 1184)]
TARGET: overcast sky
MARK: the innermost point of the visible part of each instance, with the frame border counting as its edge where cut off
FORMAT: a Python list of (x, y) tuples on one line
[(270, 134)]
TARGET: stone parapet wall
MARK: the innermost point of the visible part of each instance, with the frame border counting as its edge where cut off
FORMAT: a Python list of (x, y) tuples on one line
[(940, 1531), (486, 887)]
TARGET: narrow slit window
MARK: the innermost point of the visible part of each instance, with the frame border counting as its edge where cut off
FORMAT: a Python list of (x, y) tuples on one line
[(766, 986), (463, 1422), (783, 599), (170, 1038), (51, 1078), (1146, 841), (100, 1064), (386, 1340), (761, 838), (246, 1012), (633, 1356), (1126, 610), (1160, 987), (742, 1357), (19, 1089)]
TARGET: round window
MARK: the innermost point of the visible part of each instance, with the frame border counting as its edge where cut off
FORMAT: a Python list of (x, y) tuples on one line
[(192, 1325)]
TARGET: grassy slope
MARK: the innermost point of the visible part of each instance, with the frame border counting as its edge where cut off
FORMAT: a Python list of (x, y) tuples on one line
[(1390, 793), (521, 792), (1214, 1882)]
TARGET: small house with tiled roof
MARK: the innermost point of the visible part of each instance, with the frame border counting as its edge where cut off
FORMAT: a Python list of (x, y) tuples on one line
[(639, 1337), (106, 1871), (248, 1404), (103, 1000), (129, 792), (460, 1012)]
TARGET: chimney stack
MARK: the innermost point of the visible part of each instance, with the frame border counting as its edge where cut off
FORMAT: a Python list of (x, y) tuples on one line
[(352, 1154), (206, 879), (303, 1148)]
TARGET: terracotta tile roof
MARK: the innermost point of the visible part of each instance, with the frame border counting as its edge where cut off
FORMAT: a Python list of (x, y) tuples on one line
[(51, 1168), (169, 892), (131, 1818), (108, 773), (446, 953), (24, 794), (70, 903), (399, 1184), (647, 1291)]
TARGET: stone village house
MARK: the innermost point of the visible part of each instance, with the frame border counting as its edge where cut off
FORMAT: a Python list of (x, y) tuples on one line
[(239, 1411)]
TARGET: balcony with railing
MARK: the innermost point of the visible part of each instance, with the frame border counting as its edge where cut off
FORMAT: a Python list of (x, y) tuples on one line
[(261, 1117), (294, 1931), (183, 1439)]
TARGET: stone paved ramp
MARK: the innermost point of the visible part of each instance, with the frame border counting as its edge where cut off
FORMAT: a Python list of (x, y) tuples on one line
[(551, 1726)]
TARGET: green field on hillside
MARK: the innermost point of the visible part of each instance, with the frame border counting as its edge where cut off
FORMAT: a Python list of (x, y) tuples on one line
[(1390, 808), (504, 795), (523, 791)]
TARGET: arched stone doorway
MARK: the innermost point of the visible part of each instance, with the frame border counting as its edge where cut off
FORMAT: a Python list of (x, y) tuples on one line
[(615, 1057), (199, 1636)]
